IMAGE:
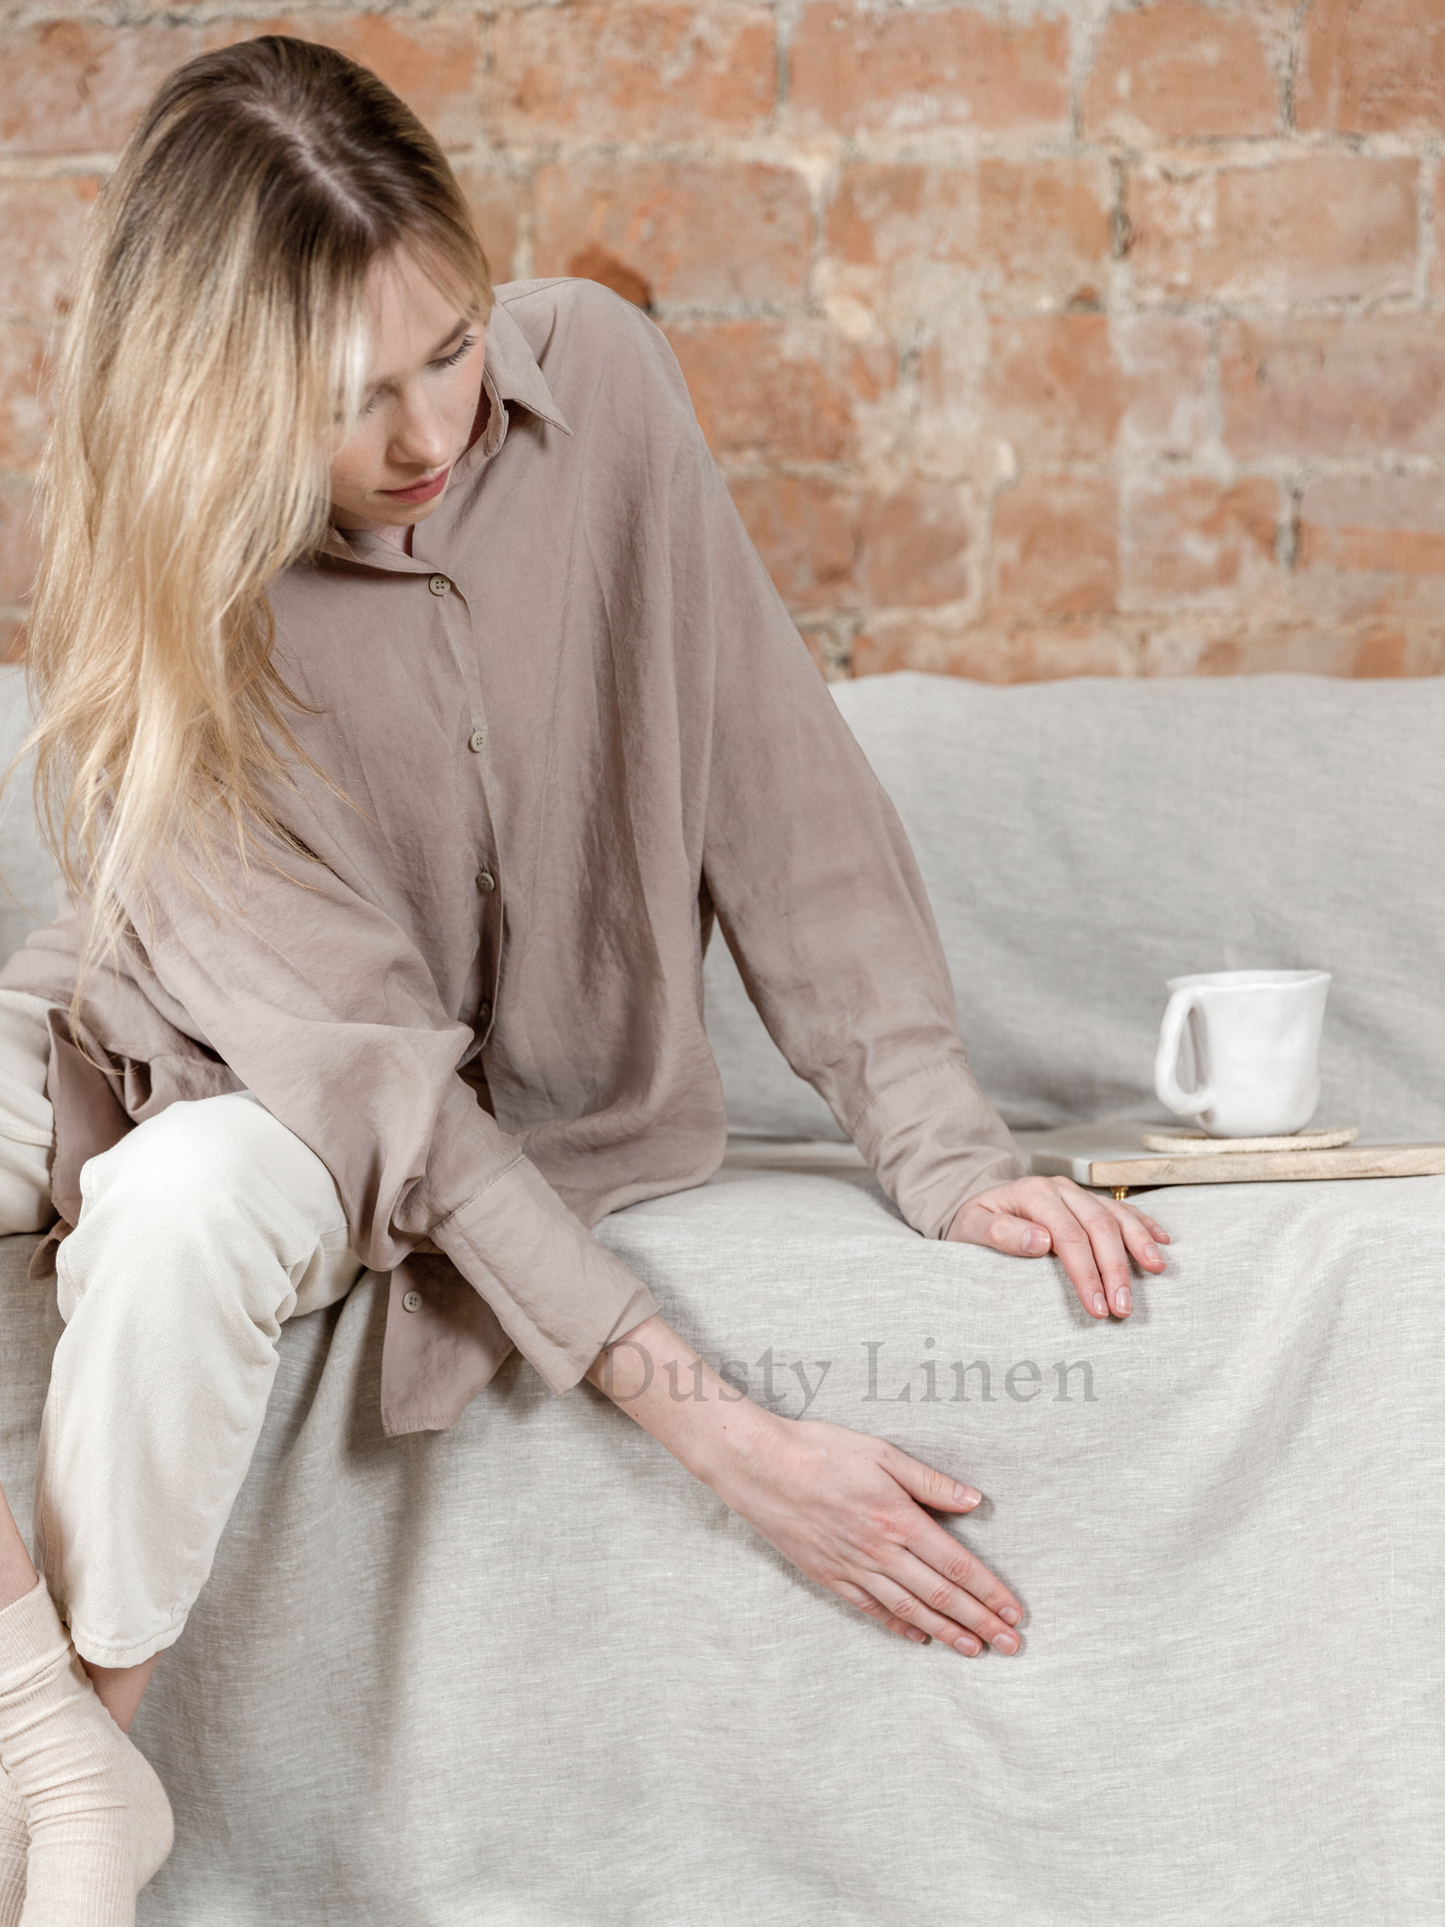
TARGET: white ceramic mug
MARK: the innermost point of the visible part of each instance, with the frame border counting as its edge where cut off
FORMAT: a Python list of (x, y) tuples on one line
[(1254, 1036)]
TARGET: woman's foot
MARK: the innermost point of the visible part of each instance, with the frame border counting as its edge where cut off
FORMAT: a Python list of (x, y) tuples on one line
[(98, 1818)]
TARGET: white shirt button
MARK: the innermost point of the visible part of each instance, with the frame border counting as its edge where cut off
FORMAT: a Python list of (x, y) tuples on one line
[(484, 1014), (411, 1301), (477, 741), (439, 585), (486, 882)]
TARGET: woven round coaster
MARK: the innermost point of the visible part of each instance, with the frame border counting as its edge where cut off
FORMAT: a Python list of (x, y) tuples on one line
[(1196, 1144)]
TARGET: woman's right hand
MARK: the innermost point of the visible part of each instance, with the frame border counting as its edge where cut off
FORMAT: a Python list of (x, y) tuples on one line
[(848, 1511)]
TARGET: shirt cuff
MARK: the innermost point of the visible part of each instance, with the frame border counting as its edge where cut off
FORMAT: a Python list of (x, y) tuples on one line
[(559, 1294), (935, 1142)]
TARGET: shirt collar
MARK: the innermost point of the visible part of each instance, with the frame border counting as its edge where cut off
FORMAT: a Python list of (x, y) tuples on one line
[(509, 373), (513, 367)]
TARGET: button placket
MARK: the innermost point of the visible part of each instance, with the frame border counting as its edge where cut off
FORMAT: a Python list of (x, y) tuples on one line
[(490, 893), (439, 585)]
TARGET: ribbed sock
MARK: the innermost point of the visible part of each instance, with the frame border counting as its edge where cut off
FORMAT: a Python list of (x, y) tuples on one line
[(99, 1820), (14, 1845)]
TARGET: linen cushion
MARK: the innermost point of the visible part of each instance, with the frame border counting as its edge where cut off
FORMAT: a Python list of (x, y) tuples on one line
[(1084, 841)]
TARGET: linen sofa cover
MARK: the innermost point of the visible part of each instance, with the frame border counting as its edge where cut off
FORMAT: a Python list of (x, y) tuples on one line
[(528, 1672)]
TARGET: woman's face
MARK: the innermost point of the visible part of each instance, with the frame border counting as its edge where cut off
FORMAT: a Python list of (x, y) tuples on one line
[(419, 405)]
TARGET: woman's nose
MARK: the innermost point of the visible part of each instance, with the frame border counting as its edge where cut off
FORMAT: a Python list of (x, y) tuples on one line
[(420, 438)]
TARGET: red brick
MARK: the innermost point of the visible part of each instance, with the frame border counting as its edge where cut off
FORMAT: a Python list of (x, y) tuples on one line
[(947, 437), (1031, 230), (806, 531), (17, 541), (615, 70), (1181, 70), (1355, 385), (1024, 652), (496, 200), (24, 417), (915, 546), (1372, 67), (1044, 227), (592, 262), (434, 63), (41, 222), (75, 87), (1379, 523), (785, 391), (1371, 649), (1189, 540), (1372, 548), (1055, 546), (1164, 362), (887, 214), (856, 71), (1053, 388), (828, 547), (693, 231), (1319, 227)]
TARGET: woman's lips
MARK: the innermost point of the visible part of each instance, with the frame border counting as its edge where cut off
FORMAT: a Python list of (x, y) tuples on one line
[(419, 491)]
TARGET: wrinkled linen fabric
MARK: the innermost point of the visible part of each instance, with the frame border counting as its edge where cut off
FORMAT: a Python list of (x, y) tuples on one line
[(1084, 841), (528, 1671), (577, 726)]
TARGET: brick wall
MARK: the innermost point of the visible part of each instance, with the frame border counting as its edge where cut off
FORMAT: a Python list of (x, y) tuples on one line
[(1035, 339)]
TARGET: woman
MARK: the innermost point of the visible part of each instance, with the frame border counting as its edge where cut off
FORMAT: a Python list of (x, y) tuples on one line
[(412, 703)]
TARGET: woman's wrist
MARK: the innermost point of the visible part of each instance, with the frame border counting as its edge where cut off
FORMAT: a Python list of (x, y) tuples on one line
[(658, 1380)]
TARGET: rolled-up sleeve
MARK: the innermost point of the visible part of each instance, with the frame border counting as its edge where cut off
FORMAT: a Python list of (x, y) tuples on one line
[(815, 886), (327, 1013)]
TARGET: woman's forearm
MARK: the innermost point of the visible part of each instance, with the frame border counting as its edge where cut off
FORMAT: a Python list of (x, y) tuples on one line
[(658, 1379)]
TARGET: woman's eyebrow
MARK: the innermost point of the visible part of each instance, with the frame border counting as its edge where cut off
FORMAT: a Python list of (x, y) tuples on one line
[(447, 340)]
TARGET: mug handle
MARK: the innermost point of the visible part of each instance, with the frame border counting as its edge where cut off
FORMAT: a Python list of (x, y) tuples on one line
[(1166, 1062)]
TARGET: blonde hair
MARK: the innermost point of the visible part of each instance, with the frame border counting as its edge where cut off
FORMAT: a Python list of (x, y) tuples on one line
[(214, 357)]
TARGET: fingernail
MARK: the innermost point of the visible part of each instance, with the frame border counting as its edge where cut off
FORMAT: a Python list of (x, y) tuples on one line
[(969, 1647), (1005, 1643), (1124, 1304), (965, 1495), (1151, 1252), (1009, 1615), (1100, 1306), (917, 1637), (1034, 1241)]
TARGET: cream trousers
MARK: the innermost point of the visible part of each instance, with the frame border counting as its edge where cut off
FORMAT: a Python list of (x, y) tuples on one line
[(200, 1233)]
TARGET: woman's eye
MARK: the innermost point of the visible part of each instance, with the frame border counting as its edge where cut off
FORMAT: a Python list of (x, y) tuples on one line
[(450, 361)]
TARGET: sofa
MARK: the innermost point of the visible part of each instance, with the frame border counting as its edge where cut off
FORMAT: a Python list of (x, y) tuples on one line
[(527, 1673)]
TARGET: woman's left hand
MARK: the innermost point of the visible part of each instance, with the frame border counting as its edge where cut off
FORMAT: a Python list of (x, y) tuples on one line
[(1093, 1237)]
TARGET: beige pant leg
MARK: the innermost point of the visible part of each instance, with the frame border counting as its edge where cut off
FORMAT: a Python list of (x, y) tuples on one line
[(27, 1126), (200, 1233)]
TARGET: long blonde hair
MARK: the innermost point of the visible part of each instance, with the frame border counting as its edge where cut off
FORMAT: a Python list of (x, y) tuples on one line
[(214, 355)]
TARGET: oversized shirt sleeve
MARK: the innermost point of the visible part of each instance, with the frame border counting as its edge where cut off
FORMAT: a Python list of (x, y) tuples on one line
[(326, 1011), (815, 886)]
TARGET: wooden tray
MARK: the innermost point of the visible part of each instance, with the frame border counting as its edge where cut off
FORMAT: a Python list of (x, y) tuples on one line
[(1113, 1171)]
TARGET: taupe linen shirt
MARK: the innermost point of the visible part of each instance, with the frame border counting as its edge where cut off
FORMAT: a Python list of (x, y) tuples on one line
[(577, 726)]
